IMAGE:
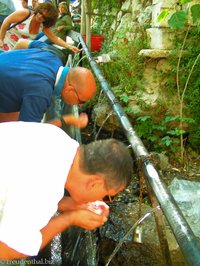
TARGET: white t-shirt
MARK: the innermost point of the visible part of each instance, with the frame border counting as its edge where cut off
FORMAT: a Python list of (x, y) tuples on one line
[(35, 159)]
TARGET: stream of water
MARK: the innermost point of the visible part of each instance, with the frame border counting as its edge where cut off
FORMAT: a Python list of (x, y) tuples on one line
[(132, 229)]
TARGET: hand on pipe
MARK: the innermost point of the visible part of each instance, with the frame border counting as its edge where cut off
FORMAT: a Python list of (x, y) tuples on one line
[(73, 48)]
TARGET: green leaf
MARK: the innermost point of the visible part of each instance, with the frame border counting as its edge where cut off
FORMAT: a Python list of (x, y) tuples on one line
[(195, 10), (185, 1), (124, 98), (177, 20), (131, 110), (163, 15), (188, 120), (143, 118), (171, 118), (159, 128), (167, 141), (176, 132), (153, 138)]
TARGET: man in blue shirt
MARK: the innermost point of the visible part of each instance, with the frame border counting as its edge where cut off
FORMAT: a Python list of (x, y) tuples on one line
[(30, 77)]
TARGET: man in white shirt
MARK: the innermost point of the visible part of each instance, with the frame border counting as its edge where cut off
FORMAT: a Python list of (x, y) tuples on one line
[(39, 161)]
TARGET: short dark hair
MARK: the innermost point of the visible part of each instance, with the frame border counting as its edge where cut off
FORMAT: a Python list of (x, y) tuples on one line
[(51, 12), (109, 158)]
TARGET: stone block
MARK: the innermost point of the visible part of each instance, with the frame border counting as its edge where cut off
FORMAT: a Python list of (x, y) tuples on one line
[(126, 7), (154, 53), (161, 38), (156, 11), (165, 3)]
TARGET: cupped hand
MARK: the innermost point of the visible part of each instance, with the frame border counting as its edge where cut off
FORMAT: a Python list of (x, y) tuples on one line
[(98, 207), (87, 219), (83, 120), (79, 122)]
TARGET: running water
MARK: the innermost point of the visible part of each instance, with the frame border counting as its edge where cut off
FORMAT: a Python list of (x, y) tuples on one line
[(147, 215), (111, 113), (95, 122), (56, 248)]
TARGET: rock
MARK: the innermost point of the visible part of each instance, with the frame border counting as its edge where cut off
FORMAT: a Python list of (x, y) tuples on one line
[(104, 117), (161, 161)]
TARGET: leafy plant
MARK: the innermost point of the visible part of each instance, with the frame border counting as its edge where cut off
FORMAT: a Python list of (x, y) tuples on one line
[(186, 70), (124, 74), (179, 18), (159, 134), (125, 71)]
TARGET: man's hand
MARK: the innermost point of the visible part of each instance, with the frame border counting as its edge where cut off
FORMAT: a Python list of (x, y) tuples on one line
[(73, 48), (86, 219), (98, 207), (71, 120), (79, 122), (82, 214)]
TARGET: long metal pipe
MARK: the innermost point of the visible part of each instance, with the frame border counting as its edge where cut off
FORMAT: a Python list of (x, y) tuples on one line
[(189, 244)]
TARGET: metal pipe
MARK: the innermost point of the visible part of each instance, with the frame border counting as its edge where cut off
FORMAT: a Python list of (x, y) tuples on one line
[(185, 237), (188, 242)]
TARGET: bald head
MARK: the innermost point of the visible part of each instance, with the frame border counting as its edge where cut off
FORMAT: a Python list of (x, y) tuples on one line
[(80, 83), (83, 81)]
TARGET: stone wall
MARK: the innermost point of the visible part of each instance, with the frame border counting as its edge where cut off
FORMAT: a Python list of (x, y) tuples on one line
[(132, 15)]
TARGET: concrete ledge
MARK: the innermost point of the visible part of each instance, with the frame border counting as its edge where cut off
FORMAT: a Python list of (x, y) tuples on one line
[(155, 53)]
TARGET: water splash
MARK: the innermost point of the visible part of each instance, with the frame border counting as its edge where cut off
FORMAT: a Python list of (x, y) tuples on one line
[(56, 249), (91, 249), (147, 215), (77, 64), (109, 114)]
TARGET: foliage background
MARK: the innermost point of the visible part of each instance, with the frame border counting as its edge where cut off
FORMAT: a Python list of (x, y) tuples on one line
[(124, 74)]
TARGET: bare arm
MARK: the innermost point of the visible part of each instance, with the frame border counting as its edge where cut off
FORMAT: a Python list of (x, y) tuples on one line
[(21, 44), (79, 122), (7, 253), (82, 218), (56, 40), (12, 18)]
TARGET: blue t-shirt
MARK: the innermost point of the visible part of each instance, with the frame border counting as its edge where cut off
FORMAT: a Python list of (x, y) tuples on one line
[(27, 78)]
